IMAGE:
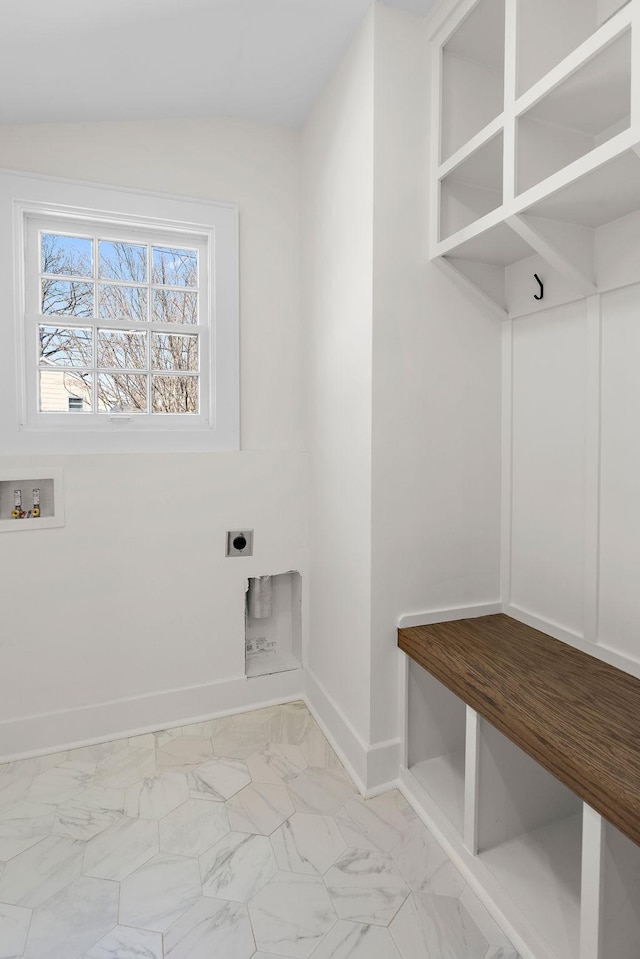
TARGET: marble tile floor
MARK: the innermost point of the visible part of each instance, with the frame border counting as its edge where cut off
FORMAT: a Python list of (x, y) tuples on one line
[(238, 838)]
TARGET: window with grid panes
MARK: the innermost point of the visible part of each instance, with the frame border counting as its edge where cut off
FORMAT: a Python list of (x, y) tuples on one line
[(119, 321), (125, 332)]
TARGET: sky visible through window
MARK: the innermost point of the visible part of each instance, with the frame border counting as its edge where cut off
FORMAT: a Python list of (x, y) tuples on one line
[(118, 370)]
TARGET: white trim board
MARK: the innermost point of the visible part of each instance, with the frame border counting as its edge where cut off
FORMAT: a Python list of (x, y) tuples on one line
[(27, 736), (117, 189), (373, 768), (432, 616)]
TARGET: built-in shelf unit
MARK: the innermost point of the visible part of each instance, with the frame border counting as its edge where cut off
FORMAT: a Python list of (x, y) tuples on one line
[(48, 482), (535, 147), (522, 753)]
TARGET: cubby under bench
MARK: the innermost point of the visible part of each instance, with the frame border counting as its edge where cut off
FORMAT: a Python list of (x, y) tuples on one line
[(523, 754)]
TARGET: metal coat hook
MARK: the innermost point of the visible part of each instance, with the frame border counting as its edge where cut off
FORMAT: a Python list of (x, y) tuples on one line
[(535, 295)]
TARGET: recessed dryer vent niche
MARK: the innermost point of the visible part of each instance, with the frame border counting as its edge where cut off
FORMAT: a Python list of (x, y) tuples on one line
[(273, 617)]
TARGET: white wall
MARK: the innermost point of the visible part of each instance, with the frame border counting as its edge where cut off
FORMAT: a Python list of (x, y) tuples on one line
[(573, 553), (405, 393), (548, 471), (134, 597), (337, 282), (436, 386), (619, 565), (387, 385), (212, 159)]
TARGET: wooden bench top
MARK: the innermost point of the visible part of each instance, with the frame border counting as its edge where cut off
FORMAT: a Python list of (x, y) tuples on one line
[(574, 714)]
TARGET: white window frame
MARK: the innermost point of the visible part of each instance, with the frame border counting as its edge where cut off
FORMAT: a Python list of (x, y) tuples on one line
[(96, 420), (29, 204)]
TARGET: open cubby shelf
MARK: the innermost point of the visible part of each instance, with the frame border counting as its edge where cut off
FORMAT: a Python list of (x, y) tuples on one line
[(620, 896), (554, 734), (472, 75), (436, 756), (548, 887), (536, 115), (587, 109), (550, 30), (472, 189), (574, 714)]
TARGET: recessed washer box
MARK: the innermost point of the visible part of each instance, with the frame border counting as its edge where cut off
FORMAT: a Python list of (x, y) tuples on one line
[(48, 481)]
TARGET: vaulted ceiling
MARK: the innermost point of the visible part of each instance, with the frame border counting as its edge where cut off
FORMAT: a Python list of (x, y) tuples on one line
[(71, 60)]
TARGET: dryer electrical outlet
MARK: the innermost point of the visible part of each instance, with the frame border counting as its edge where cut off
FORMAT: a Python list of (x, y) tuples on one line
[(239, 542)]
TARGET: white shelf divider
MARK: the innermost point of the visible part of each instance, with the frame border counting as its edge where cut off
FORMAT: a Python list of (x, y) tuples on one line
[(471, 780), (473, 189), (471, 146), (591, 884)]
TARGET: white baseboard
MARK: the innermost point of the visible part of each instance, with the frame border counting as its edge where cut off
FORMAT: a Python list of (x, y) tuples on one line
[(432, 616), (374, 769), (346, 741), (28, 736), (383, 761)]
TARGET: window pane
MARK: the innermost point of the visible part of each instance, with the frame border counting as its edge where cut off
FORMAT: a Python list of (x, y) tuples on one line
[(58, 388), (172, 306), (122, 261), (66, 255), (174, 267), (122, 393), (175, 394), (123, 303), (59, 347), (171, 351), (67, 298), (122, 349)]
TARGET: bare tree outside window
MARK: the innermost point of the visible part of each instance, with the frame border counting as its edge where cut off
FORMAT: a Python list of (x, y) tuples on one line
[(135, 369)]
